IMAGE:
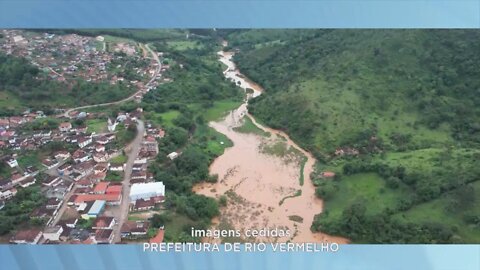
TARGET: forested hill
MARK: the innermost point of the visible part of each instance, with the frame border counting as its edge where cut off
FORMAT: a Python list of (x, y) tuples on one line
[(328, 87), (395, 114)]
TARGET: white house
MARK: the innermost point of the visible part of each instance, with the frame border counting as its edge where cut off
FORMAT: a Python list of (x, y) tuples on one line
[(12, 162), (65, 127), (53, 233), (84, 141), (146, 190), (60, 155), (172, 155), (117, 167)]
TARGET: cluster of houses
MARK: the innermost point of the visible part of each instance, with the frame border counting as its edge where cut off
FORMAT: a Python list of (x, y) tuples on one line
[(8, 133), (93, 199), (71, 56), (91, 202), (84, 168), (75, 180)]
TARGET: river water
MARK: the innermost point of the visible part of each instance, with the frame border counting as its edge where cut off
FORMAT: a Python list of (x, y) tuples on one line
[(255, 182)]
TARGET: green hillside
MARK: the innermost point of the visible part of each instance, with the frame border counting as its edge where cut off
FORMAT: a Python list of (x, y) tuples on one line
[(402, 105)]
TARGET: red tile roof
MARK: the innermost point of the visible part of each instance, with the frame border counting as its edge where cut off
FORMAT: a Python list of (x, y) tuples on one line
[(93, 197), (114, 189), (102, 222), (101, 187), (159, 237)]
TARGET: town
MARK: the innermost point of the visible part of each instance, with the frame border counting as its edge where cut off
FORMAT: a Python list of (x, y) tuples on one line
[(91, 166)]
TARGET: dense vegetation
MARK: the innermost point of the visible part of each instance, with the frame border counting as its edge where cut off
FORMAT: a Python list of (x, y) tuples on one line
[(23, 85), (17, 212), (401, 110), (140, 35), (199, 93)]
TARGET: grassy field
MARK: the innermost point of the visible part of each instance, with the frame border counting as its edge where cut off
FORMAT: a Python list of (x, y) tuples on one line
[(220, 109), (119, 159), (368, 187), (96, 125), (114, 176), (249, 127), (176, 225), (9, 101), (163, 119), (436, 211), (216, 142), (30, 159)]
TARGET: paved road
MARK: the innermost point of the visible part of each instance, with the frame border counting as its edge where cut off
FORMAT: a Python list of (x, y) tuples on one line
[(67, 196), (133, 150), (121, 213)]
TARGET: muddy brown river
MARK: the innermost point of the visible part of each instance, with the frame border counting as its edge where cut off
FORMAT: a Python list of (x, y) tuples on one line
[(255, 181)]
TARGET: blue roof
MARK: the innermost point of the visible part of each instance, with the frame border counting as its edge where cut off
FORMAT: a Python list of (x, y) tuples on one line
[(96, 208)]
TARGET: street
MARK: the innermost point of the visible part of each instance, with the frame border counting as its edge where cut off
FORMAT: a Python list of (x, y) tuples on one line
[(121, 211)]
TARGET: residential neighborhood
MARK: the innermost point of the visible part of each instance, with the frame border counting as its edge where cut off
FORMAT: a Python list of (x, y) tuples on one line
[(86, 165)]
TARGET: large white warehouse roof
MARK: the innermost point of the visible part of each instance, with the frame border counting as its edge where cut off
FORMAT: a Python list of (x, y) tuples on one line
[(147, 190)]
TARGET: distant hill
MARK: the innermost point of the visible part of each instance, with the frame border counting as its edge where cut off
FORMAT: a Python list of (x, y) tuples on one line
[(394, 113), (327, 87)]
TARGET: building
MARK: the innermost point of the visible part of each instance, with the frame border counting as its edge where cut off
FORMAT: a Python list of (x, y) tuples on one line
[(69, 223), (103, 223), (28, 182), (150, 144), (147, 190), (65, 127), (61, 155), (12, 162), (101, 156), (84, 141), (104, 236), (327, 174), (49, 163), (100, 188), (53, 233), (53, 203), (5, 183), (100, 148), (65, 169), (172, 155), (96, 209), (31, 236), (139, 175), (80, 156), (101, 167), (140, 160), (52, 181), (159, 237), (114, 189), (132, 229), (117, 167), (111, 199), (139, 167), (84, 168), (102, 140), (143, 205), (8, 194)]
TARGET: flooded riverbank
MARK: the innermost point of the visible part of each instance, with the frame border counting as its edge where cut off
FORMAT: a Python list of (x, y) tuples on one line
[(263, 190)]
